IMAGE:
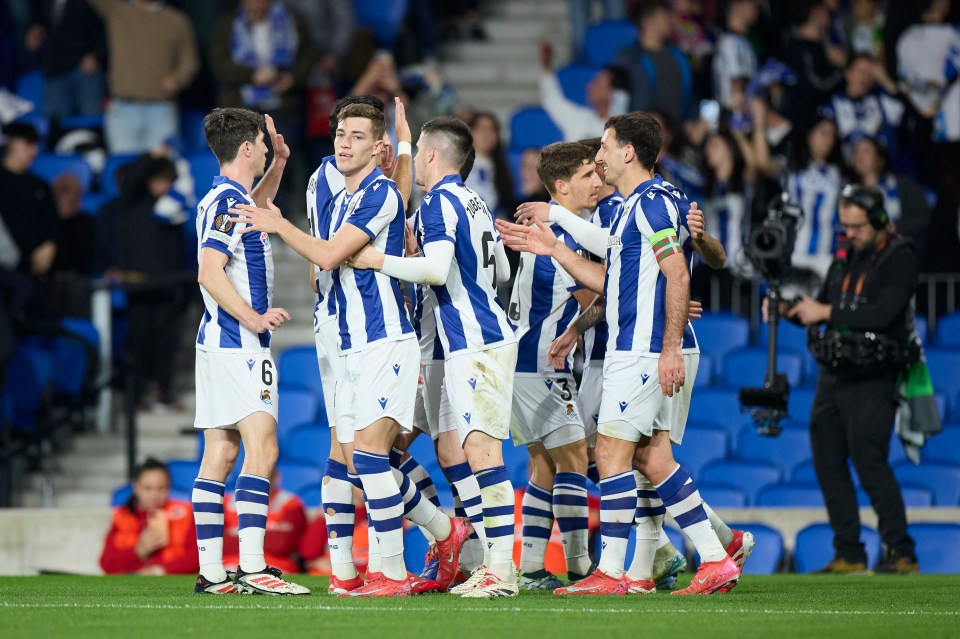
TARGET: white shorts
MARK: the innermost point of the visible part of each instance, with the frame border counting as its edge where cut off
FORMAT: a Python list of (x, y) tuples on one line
[(231, 386), (633, 405), (327, 338), (377, 382), (426, 415), (477, 392), (588, 397), (545, 410)]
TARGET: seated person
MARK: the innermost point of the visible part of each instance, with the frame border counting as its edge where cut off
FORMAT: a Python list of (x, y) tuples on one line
[(151, 534), (286, 523)]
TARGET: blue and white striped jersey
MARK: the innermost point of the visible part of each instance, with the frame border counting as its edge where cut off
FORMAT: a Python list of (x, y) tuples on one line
[(468, 314), (595, 338), (249, 269), (324, 186), (542, 306), (370, 305), (816, 189), (425, 318), (733, 58), (648, 227)]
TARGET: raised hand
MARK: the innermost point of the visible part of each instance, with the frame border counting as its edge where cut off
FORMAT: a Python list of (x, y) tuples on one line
[(280, 149), (257, 219), (400, 122), (695, 222), (536, 239)]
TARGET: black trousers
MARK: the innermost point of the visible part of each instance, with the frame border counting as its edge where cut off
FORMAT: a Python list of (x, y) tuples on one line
[(852, 419), (154, 332)]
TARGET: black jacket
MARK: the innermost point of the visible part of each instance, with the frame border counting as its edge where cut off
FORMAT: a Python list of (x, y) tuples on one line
[(77, 31), (144, 243)]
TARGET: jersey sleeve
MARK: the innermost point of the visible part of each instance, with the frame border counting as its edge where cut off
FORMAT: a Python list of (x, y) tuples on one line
[(222, 232), (439, 219), (657, 221), (376, 209), (568, 282)]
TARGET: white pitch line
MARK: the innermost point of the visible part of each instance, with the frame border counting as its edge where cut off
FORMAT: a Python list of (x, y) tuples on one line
[(322, 607)]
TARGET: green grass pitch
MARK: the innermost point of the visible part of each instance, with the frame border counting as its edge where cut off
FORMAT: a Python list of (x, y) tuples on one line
[(769, 607)]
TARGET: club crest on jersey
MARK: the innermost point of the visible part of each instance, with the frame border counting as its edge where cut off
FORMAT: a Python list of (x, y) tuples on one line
[(571, 413), (265, 397), (644, 378), (466, 417), (383, 402), (623, 406), (396, 370), (265, 239), (473, 383), (250, 363), (223, 223)]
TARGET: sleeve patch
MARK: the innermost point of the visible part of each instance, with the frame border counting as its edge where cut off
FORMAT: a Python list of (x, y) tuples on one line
[(665, 243)]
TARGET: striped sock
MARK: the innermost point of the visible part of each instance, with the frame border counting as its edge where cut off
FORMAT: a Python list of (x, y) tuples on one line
[(724, 534), (649, 523), (373, 545), (253, 498), (497, 496), (336, 493), (537, 516), (385, 509), (464, 484), (422, 512), (664, 539), (472, 553), (573, 519), (421, 479), (207, 501), (683, 502), (618, 507), (593, 474)]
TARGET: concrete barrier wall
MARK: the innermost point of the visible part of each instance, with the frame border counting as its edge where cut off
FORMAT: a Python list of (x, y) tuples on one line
[(70, 539)]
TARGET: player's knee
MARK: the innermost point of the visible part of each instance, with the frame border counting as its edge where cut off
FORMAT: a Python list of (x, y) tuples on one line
[(571, 458)]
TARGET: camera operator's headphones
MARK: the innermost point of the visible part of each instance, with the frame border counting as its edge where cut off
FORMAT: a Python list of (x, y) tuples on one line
[(868, 199)]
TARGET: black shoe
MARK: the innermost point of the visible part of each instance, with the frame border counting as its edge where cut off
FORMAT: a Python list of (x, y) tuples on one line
[(206, 587), (840, 566), (268, 581), (898, 563)]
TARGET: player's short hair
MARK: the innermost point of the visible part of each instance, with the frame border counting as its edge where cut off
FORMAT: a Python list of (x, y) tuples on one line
[(593, 143), (451, 137), (344, 102), (378, 123), (467, 165), (226, 129), (560, 161), (641, 131)]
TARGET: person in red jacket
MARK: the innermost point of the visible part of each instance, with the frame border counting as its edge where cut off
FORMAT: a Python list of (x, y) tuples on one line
[(286, 523), (151, 534)]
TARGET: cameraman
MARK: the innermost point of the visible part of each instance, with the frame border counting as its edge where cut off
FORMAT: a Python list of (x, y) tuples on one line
[(865, 305)]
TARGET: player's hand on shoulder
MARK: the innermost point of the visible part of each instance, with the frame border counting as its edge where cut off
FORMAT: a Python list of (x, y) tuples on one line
[(271, 320), (528, 211), (671, 372), (257, 219), (695, 222)]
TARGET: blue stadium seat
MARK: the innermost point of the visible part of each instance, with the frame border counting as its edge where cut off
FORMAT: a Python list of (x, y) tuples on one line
[(719, 334), (748, 476), (603, 40), (923, 329), (788, 450), (804, 473), (294, 476), (38, 121), (937, 547), (182, 474), (767, 555), (297, 368), (944, 447), (722, 495), (791, 339), (50, 166), (28, 375), (30, 87), (792, 495), (415, 547), (307, 443), (800, 404), (701, 446), (948, 330), (719, 406), (91, 203), (914, 496), (747, 367), (514, 157), (296, 407), (108, 179), (705, 370), (942, 479), (573, 80), (120, 495), (191, 128), (383, 17), (944, 365), (814, 547), (311, 495), (531, 127), (203, 168), (83, 122)]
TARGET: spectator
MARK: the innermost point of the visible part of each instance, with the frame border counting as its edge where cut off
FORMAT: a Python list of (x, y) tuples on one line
[(865, 29), (678, 163), (151, 534), (531, 186), (490, 177), (332, 25), (77, 232), (691, 38), (864, 108), (727, 182), (581, 15), (153, 57), (734, 58), (607, 95), (814, 182), (150, 254), (660, 75), (818, 67), (74, 56), (28, 208), (904, 199), (772, 133), (381, 79), (286, 525)]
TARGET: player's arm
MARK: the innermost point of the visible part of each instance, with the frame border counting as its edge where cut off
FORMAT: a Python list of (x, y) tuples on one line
[(432, 268), (594, 312), (673, 265), (708, 247), (213, 278), (403, 170), (267, 188), (502, 262), (587, 234), (539, 240)]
